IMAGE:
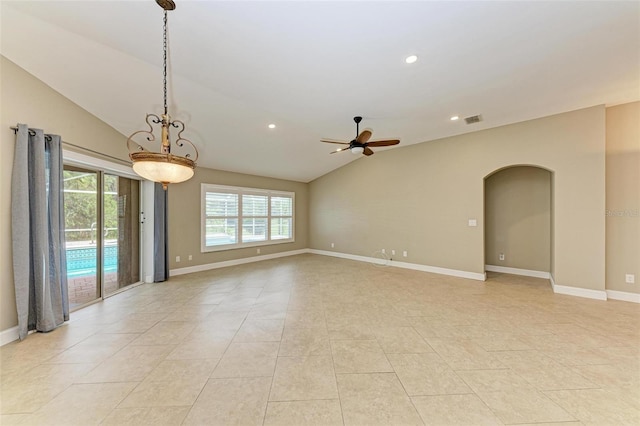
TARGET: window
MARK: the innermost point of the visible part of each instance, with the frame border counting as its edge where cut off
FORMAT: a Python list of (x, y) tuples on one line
[(234, 217)]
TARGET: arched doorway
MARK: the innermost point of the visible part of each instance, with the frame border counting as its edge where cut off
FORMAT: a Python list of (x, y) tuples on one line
[(518, 215)]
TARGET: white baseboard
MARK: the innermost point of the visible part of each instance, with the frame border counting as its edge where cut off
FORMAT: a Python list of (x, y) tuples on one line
[(9, 335), (375, 260), (224, 264), (442, 271), (517, 271), (405, 265), (580, 292), (624, 296)]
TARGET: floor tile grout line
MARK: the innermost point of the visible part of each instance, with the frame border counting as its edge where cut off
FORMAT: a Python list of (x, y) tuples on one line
[(275, 367), (335, 375)]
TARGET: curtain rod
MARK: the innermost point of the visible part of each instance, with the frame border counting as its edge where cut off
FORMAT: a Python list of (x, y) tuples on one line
[(31, 133), (48, 138)]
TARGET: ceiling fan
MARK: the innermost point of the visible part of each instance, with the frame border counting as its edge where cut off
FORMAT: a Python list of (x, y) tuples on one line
[(361, 144)]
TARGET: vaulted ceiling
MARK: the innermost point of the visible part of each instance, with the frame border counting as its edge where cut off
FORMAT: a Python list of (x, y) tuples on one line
[(310, 67)]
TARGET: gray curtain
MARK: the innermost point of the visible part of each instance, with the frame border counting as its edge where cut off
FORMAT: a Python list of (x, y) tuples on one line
[(160, 233), (37, 227)]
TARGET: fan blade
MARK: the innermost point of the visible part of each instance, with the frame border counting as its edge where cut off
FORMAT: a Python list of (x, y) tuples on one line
[(384, 143), (334, 141), (367, 151), (338, 150), (364, 136)]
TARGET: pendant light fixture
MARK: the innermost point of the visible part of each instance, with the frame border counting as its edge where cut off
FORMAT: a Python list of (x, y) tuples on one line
[(163, 166)]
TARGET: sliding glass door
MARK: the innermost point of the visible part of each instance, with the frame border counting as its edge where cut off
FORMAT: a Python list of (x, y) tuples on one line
[(122, 232), (83, 235), (102, 232)]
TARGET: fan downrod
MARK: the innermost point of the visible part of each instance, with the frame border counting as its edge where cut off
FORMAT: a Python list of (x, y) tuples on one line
[(357, 119)]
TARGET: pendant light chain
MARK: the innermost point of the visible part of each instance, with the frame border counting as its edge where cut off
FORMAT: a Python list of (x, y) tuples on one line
[(164, 59), (158, 163)]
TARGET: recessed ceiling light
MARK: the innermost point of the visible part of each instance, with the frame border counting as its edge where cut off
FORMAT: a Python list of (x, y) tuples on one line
[(454, 118), (271, 126), (411, 59)]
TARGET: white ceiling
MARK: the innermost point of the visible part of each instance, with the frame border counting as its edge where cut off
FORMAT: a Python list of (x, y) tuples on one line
[(309, 67)]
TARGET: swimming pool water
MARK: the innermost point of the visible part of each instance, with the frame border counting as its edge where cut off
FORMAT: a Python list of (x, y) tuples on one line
[(81, 261)]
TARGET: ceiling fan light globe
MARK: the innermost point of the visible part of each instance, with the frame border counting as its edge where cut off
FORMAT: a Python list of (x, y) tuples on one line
[(357, 150)]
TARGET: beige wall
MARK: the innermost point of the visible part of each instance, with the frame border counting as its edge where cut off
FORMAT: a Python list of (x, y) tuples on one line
[(420, 197), (25, 99), (623, 196), (184, 217), (518, 218)]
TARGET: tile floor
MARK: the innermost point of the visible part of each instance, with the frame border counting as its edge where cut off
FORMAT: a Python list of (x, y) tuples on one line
[(314, 340)]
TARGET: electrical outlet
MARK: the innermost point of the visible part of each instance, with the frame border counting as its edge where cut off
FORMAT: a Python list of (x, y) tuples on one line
[(473, 222), (501, 256), (177, 258), (332, 245), (258, 251), (393, 252), (190, 257), (384, 251), (404, 253), (630, 278)]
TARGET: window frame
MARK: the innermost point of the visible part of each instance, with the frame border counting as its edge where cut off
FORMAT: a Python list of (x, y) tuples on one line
[(240, 191)]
